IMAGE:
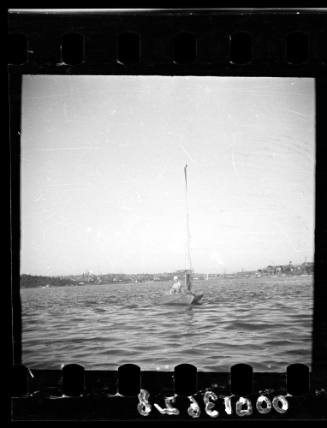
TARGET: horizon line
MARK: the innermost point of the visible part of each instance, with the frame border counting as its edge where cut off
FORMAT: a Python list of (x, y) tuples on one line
[(164, 272)]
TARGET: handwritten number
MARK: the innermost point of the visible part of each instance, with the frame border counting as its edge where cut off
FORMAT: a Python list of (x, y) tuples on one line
[(169, 410), (144, 407), (280, 404), (194, 409), (263, 410), (209, 405), (239, 407)]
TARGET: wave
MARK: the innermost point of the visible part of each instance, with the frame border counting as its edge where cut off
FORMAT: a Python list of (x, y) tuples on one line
[(252, 326), (105, 327)]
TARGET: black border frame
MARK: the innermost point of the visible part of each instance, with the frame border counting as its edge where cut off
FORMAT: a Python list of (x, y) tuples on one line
[(44, 32)]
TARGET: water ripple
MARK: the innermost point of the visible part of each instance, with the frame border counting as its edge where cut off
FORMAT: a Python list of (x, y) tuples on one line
[(266, 322)]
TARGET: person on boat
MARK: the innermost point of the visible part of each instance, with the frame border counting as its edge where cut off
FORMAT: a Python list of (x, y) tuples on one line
[(176, 287)]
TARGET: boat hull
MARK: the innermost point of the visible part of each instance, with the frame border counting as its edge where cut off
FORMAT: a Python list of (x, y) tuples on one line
[(181, 299)]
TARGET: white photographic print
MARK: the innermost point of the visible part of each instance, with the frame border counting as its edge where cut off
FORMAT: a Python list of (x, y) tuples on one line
[(167, 220)]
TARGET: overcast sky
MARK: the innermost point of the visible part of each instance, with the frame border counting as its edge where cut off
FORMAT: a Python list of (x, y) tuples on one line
[(103, 182)]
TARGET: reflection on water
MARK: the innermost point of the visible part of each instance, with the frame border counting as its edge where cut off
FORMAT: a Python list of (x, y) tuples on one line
[(265, 322)]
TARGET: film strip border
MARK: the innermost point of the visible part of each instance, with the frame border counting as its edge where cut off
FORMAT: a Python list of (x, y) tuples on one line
[(214, 43), (270, 44), (130, 393)]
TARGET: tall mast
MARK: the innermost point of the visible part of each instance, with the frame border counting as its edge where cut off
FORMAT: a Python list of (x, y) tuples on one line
[(188, 232)]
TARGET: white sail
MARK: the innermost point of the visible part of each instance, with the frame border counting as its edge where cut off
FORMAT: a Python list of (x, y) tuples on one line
[(188, 259), (187, 297)]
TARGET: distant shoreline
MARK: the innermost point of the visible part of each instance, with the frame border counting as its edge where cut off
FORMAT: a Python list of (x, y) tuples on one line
[(34, 281)]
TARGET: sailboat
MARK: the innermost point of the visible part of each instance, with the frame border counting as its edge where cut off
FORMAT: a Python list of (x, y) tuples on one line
[(187, 297)]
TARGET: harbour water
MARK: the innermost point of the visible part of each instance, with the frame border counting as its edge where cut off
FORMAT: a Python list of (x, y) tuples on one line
[(265, 322)]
